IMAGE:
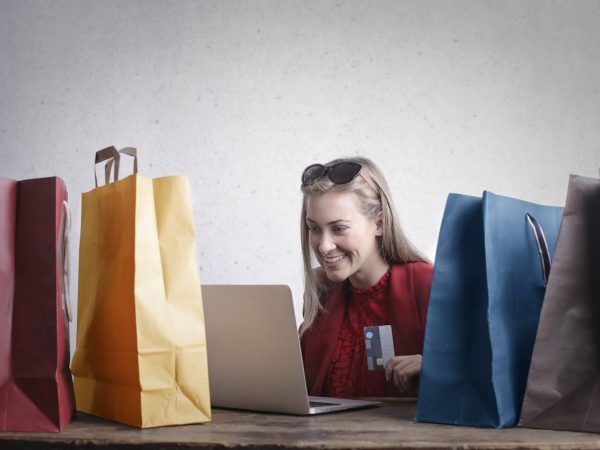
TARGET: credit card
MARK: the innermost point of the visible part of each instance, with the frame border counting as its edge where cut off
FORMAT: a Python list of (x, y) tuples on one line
[(379, 345)]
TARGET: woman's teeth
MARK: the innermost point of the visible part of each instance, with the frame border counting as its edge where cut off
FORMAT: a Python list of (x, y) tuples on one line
[(334, 259)]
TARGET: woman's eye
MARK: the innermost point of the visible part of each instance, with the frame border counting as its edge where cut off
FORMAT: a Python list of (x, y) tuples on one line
[(340, 229), (312, 229)]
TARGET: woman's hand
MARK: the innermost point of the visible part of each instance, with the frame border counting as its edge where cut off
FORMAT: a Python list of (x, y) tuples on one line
[(404, 371)]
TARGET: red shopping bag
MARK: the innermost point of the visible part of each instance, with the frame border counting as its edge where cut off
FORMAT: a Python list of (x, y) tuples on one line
[(36, 392)]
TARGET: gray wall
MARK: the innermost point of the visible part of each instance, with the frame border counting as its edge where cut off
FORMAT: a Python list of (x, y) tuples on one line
[(241, 95)]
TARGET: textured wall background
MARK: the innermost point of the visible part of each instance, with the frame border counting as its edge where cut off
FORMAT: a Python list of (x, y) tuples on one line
[(242, 95)]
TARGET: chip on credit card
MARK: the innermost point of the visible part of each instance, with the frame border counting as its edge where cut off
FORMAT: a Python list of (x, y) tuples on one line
[(379, 345)]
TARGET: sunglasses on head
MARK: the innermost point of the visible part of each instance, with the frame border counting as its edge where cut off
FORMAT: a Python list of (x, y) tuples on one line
[(340, 173)]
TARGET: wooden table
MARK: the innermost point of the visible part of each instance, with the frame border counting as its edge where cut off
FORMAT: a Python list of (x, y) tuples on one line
[(388, 426)]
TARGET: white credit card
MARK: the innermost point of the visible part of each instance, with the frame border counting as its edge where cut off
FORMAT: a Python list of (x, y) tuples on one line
[(379, 345)]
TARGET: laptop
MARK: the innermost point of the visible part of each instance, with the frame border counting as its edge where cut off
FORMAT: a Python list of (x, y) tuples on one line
[(254, 356)]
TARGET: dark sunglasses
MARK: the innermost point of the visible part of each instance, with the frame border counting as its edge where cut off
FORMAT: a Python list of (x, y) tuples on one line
[(340, 173)]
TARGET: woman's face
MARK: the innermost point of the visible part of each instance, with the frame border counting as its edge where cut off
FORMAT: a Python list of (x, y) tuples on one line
[(343, 238)]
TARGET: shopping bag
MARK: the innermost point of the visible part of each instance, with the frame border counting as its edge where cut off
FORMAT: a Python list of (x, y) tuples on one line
[(563, 389), (36, 391), (488, 285), (140, 355)]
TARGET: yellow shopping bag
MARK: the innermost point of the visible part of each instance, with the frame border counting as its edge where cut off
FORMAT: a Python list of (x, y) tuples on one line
[(140, 357)]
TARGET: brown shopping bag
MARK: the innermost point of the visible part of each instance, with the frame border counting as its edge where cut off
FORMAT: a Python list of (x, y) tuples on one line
[(36, 391), (563, 388), (140, 357)]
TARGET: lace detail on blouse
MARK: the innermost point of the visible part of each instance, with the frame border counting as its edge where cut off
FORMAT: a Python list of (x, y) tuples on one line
[(348, 372)]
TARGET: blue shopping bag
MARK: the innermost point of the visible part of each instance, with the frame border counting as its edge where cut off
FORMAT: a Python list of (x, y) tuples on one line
[(491, 265)]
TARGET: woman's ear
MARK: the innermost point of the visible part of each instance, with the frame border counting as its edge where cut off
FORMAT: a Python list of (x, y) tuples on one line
[(379, 224)]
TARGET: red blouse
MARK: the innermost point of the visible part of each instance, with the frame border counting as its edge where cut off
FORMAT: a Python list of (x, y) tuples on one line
[(348, 373), (333, 347)]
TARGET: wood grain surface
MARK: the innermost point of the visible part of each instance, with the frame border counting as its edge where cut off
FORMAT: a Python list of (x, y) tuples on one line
[(388, 426)]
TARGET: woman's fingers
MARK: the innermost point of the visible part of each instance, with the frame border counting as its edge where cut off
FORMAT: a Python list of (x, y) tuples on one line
[(404, 371), (392, 364)]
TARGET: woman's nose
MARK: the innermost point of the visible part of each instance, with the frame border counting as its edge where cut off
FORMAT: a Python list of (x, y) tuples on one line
[(326, 245)]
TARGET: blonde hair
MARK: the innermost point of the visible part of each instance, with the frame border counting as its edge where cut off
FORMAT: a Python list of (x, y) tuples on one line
[(393, 244)]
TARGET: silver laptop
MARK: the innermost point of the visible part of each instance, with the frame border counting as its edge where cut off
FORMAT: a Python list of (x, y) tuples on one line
[(254, 357)]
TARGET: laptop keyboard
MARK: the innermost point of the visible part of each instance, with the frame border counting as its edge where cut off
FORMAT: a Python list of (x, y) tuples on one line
[(314, 404)]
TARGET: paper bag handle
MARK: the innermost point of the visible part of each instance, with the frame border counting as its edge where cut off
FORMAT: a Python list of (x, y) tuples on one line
[(542, 245), (65, 260), (109, 153), (131, 151)]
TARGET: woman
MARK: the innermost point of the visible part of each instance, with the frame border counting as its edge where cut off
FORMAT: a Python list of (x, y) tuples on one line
[(369, 275)]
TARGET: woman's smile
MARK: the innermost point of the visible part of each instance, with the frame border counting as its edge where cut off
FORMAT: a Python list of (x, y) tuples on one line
[(332, 260)]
